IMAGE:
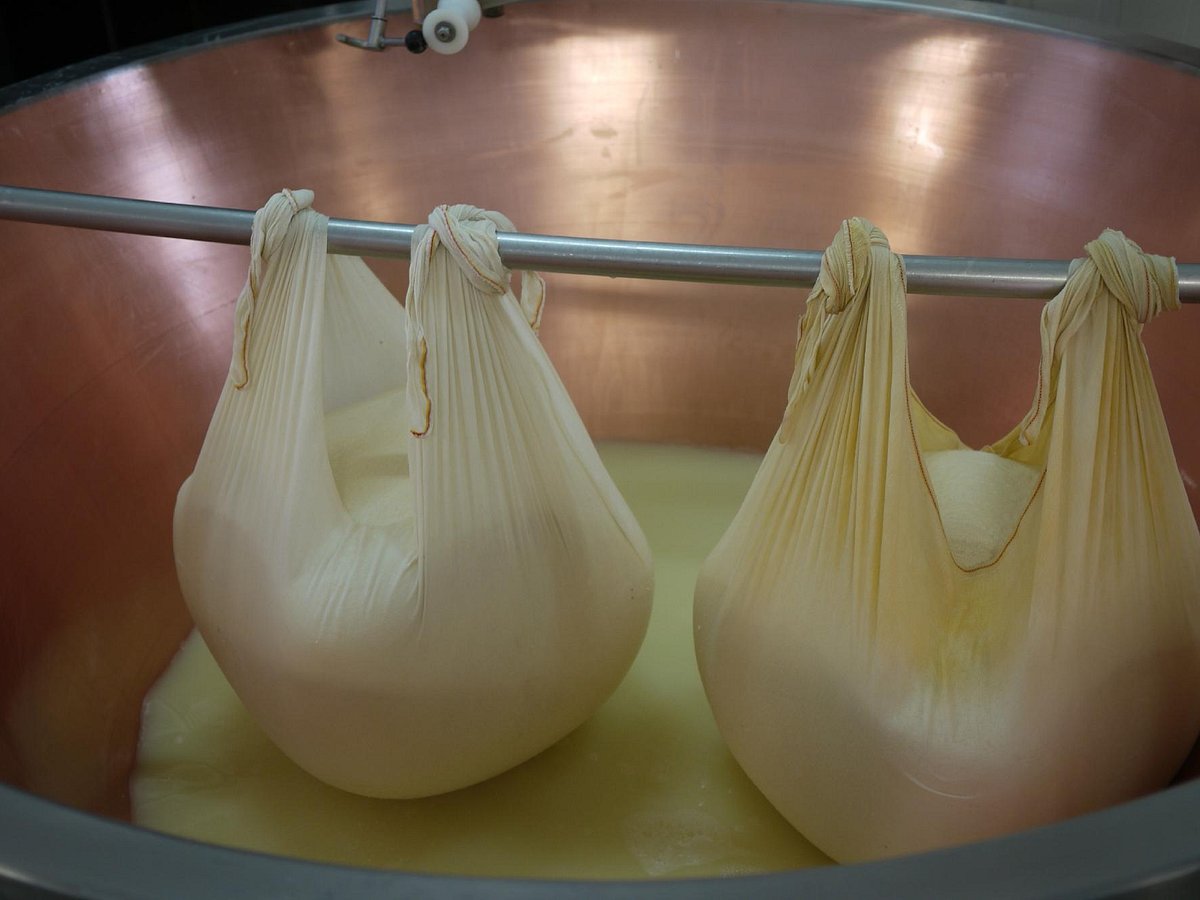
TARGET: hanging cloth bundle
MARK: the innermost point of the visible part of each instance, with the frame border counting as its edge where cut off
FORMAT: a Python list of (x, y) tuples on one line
[(491, 590), (909, 644)]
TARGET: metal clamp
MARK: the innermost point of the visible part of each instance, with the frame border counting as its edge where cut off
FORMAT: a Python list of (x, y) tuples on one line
[(443, 30), (377, 38)]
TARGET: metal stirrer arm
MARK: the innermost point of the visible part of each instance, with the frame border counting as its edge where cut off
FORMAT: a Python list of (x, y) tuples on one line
[(941, 275)]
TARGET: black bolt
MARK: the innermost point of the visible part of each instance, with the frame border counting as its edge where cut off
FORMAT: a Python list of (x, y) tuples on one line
[(414, 41)]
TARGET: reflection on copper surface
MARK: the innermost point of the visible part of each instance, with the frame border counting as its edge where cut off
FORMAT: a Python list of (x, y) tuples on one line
[(932, 87), (931, 100), (599, 86), (757, 123)]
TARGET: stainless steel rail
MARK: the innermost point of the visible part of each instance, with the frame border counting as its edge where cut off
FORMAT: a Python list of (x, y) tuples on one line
[(943, 275)]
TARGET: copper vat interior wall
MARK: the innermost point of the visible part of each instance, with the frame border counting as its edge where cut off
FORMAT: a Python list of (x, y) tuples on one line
[(623, 119)]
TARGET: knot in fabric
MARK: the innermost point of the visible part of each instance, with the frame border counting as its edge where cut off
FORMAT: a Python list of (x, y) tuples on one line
[(271, 224), (270, 227), (858, 252), (469, 236), (846, 262), (1144, 284)]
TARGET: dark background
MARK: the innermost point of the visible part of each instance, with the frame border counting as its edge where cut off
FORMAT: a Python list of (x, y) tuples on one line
[(37, 36)]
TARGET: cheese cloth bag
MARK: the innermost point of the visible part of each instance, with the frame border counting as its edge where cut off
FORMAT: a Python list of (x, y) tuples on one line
[(893, 685), (492, 599)]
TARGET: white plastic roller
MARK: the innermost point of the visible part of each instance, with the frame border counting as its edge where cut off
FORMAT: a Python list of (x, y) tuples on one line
[(447, 28)]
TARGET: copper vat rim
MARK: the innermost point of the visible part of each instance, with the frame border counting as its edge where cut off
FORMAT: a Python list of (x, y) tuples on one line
[(1160, 50), (1143, 846)]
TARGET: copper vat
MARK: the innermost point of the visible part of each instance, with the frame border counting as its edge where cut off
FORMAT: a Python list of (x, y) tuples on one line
[(708, 121)]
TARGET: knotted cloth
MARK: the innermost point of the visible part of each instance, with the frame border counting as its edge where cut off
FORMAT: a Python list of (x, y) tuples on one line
[(507, 593), (888, 693)]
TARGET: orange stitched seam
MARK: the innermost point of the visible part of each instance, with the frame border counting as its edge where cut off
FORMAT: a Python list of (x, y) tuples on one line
[(422, 356), (246, 343), (535, 322), (853, 285), (499, 287), (1146, 276)]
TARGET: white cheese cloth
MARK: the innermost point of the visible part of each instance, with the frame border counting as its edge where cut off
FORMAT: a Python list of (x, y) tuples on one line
[(896, 679), (507, 596)]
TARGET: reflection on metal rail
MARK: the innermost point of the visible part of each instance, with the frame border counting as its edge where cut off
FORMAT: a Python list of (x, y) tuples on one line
[(944, 275)]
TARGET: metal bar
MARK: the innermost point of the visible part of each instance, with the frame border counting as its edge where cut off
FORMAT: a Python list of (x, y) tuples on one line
[(941, 275)]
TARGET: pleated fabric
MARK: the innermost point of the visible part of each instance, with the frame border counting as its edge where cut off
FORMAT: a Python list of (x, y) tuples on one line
[(889, 697), (498, 610)]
